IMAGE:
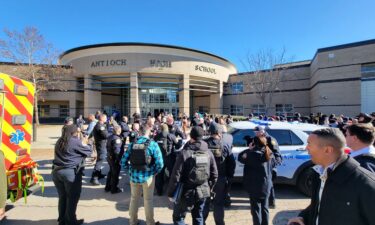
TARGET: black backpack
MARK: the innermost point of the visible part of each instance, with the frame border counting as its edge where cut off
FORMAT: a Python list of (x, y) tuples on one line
[(217, 150), (139, 159), (198, 168)]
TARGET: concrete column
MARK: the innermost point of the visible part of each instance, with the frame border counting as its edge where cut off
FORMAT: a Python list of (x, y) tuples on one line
[(92, 96), (216, 100), (184, 95), (134, 96), (72, 107)]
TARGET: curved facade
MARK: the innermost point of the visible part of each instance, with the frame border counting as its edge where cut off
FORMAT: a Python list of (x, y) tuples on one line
[(138, 77)]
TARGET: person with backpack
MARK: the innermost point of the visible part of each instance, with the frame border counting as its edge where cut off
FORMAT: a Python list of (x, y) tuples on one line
[(195, 172), (222, 150), (166, 142), (257, 178), (142, 161)]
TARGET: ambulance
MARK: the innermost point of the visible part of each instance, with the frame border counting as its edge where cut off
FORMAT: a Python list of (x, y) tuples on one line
[(16, 118)]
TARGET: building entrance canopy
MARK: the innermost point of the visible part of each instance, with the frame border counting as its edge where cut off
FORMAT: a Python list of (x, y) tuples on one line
[(148, 77)]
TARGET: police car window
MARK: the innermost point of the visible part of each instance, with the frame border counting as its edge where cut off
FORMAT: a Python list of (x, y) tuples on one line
[(282, 136), (239, 136), (295, 139)]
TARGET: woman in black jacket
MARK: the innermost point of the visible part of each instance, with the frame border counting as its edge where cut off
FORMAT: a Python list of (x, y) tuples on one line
[(258, 178), (70, 152)]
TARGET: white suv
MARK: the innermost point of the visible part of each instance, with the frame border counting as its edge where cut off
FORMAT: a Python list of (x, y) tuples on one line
[(292, 140)]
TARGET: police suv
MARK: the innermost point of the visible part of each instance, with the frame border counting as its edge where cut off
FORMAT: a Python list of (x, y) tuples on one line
[(292, 140)]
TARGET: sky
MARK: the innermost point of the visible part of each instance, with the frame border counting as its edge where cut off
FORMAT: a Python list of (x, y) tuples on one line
[(230, 29)]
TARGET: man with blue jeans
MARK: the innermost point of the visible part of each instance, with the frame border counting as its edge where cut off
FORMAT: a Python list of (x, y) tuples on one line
[(142, 173)]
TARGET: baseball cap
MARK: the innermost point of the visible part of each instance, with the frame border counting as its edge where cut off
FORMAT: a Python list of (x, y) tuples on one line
[(215, 128)]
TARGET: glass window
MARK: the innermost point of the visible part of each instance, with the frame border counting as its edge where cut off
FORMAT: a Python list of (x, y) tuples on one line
[(239, 136), (282, 136), (237, 87), (44, 110), (295, 139), (63, 110), (285, 110), (236, 110), (368, 70), (258, 109)]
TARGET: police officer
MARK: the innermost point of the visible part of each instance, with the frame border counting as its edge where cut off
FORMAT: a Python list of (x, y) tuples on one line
[(125, 130), (67, 171), (195, 168), (100, 134), (167, 143), (134, 133), (115, 152), (225, 162), (275, 161), (174, 129)]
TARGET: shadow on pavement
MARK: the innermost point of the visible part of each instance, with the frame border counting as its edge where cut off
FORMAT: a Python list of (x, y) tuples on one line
[(28, 222), (282, 217)]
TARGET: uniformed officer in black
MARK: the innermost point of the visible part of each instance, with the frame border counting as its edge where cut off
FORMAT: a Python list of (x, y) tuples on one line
[(275, 161), (100, 134), (174, 129), (167, 143), (115, 152), (225, 162), (125, 130), (67, 171), (134, 133)]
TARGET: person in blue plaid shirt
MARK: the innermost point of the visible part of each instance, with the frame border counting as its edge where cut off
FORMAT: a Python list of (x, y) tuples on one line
[(142, 161)]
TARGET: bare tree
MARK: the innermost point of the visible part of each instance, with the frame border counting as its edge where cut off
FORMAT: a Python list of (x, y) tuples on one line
[(266, 72), (35, 61)]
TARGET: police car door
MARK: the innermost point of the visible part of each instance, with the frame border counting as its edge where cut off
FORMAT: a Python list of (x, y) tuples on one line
[(292, 144)]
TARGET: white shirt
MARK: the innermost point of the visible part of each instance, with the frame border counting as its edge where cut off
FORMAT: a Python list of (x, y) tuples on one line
[(323, 175), (366, 150)]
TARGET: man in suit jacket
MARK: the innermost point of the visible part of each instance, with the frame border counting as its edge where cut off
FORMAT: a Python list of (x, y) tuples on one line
[(343, 191)]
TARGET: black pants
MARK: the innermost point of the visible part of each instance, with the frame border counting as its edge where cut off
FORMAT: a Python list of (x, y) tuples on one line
[(259, 210), (113, 175), (101, 149), (218, 202), (68, 183), (159, 181)]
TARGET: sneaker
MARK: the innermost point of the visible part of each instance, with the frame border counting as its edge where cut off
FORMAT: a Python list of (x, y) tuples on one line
[(94, 181)]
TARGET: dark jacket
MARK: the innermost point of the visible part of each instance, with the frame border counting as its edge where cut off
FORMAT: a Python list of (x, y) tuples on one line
[(100, 132), (176, 131), (367, 161), (348, 197), (225, 164), (180, 173), (73, 155), (125, 131), (171, 142), (257, 173), (114, 147)]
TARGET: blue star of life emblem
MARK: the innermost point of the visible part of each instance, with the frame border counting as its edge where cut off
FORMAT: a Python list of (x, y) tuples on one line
[(17, 137)]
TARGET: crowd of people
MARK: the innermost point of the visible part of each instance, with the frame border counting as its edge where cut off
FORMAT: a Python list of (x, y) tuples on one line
[(192, 161)]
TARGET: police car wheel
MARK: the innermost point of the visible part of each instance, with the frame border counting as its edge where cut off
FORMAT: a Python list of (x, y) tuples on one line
[(304, 182)]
